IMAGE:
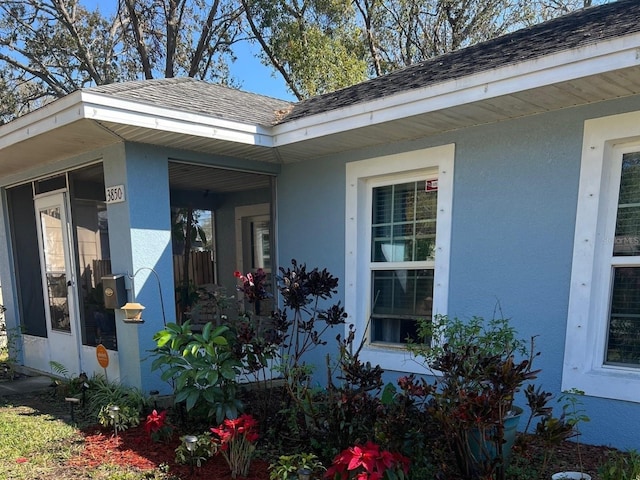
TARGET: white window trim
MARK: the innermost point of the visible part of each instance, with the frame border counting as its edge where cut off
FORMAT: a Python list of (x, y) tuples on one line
[(360, 176), (605, 140)]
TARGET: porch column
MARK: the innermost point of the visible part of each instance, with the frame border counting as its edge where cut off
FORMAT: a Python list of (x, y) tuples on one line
[(140, 245)]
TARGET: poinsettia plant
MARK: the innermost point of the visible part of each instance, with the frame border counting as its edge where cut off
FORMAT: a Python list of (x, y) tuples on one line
[(157, 427), (235, 439), (368, 462)]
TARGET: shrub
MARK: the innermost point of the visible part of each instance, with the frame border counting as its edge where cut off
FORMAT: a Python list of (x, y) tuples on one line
[(621, 466), (102, 393), (288, 465), (121, 420), (202, 450), (201, 366), (473, 394)]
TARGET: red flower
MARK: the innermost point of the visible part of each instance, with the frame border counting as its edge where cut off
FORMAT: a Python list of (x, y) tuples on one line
[(365, 456), (367, 462), (235, 438), (223, 434), (155, 421)]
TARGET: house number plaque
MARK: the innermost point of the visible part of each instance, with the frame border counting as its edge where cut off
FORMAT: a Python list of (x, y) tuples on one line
[(115, 194)]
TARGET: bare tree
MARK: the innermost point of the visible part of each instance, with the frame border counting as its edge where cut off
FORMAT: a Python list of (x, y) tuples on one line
[(49, 48)]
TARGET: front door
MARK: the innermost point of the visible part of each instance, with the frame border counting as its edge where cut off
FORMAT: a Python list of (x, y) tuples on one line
[(58, 281)]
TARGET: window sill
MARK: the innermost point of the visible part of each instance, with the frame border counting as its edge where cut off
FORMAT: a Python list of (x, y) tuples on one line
[(393, 358), (606, 382)]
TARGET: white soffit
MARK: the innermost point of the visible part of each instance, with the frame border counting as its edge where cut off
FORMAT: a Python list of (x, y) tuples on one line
[(599, 57)]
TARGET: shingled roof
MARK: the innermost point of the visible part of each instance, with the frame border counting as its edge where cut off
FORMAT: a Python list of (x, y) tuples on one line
[(576, 29), (197, 96), (568, 32)]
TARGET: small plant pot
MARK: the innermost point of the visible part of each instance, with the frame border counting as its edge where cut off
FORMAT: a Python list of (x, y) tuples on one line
[(570, 476)]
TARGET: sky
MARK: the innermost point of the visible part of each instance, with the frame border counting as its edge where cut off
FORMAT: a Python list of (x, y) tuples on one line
[(247, 69)]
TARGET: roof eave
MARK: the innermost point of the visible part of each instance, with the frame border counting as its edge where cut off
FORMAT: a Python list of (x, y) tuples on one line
[(110, 111), (598, 57)]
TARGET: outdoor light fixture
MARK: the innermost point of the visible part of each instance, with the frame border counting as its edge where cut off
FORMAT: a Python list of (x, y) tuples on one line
[(72, 401), (133, 312), (190, 442), (114, 411), (304, 474)]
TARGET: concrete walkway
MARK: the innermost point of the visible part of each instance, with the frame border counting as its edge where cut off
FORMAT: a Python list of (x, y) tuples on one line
[(22, 385)]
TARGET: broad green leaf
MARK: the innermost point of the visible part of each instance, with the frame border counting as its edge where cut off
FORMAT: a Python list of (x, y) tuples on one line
[(206, 332), (181, 396), (220, 340), (193, 397)]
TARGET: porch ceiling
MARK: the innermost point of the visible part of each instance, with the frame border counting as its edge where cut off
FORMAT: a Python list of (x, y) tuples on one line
[(85, 134), (189, 177)]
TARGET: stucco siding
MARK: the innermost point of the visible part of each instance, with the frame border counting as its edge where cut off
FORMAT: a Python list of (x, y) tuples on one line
[(515, 195)]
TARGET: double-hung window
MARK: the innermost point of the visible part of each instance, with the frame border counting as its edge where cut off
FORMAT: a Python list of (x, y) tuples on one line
[(622, 346), (403, 237), (602, 351), (397, 245)]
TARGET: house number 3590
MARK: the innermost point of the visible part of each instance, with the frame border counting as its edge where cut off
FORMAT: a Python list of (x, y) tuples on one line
[(115, 194)]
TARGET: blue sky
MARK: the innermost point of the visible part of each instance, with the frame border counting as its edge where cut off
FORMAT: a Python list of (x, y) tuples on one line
[(247, 70)]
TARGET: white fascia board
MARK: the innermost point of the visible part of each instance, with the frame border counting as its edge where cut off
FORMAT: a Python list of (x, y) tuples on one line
[(57, 114), (108, 109), (599, 57), (82, 105)]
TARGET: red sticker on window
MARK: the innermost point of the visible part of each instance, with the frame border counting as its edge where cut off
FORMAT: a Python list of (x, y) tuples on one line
[(431, 186)]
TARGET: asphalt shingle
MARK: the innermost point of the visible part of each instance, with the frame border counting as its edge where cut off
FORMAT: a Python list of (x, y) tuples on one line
[(197, 96), (571, 31)]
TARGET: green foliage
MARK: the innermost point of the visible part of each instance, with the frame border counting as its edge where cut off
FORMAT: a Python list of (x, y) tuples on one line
[(287, 466), (201, 453), (202, 367), (621, 466), (314, 44), (102, 393), (489, 337), (481, 365), (405, 424), (59, 368), (572, 407), (121, 420)]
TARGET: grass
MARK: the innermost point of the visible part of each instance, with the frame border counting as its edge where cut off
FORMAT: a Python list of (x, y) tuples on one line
[(32, 444), (36, 445)]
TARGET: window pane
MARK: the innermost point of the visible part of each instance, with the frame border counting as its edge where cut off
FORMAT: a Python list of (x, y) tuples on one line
[(627, 241), (403, 222), (623, 345), (382, 204), (89, 211), (398, 298)]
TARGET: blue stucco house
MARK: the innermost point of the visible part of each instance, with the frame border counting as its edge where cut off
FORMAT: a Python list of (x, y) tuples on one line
[(506, 173)]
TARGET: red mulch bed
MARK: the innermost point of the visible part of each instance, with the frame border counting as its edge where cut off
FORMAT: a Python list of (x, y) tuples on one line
[(133, 448)]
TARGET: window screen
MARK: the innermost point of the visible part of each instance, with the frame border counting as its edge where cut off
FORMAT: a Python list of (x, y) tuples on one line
[(623, 335), (403, 233)]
